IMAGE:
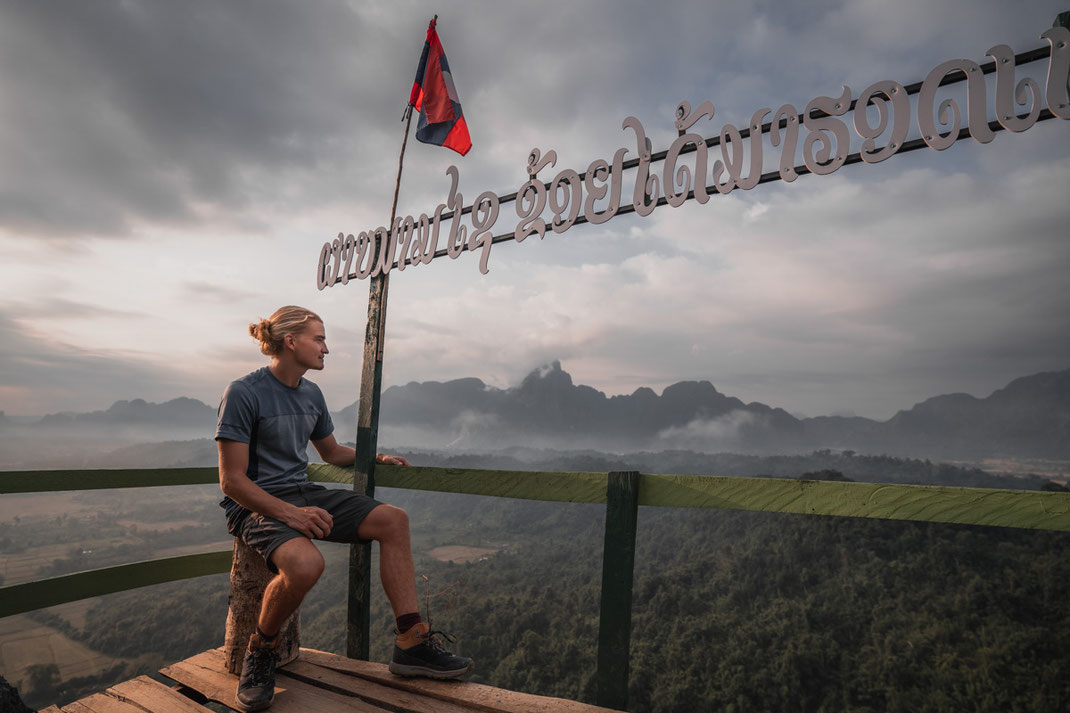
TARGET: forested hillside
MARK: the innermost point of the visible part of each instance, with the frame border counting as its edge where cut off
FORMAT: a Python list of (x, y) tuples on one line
[(759, 612)]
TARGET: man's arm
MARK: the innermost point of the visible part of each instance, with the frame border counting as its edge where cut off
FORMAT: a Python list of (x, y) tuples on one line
[(233, 462), (333, 452)]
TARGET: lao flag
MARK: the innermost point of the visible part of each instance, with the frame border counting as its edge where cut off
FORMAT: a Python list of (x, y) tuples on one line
[(435, 97)]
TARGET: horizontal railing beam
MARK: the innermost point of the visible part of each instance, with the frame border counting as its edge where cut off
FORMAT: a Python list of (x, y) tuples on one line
[(28, 596), (1027, 509), (922, 503), (522, 484), (46, 481)]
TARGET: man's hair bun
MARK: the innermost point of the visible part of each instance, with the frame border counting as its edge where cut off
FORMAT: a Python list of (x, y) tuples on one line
[(286, 320)]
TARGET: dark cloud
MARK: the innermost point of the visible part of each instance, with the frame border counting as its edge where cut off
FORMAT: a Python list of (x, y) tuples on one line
[(119, 113), (160, 121), (125, 111)]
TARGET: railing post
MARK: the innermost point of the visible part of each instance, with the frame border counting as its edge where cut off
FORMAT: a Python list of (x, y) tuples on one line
[(615, 614), (358, 629), (358, 609)]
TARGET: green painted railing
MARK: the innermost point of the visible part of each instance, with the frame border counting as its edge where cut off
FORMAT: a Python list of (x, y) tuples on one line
[(625, 491), (919, 503), (41, 593), (48, 481)]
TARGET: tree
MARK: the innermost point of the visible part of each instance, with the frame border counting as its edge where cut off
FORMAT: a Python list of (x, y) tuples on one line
[(42, 679)]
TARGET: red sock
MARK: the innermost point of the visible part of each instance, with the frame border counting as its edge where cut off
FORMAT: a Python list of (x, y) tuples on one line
[(407, 621)]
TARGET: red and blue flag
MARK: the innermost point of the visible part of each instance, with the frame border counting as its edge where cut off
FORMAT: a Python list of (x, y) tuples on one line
[(434, 96)]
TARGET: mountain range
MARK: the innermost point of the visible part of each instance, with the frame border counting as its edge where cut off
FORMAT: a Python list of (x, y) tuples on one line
[(1030, 417), (181, 413)]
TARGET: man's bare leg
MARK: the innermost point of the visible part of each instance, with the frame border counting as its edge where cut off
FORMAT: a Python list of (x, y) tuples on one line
[(389, 526), (416, 651), (300, 564)]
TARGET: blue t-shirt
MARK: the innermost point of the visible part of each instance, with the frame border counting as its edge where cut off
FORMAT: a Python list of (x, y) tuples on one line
[(277, 421)]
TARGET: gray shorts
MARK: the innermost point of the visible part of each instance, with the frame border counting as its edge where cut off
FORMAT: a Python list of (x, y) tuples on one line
[(347, 508)]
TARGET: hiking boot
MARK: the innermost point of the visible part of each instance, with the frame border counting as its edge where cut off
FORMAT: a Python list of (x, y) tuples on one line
[(418, 653), (256, 686)]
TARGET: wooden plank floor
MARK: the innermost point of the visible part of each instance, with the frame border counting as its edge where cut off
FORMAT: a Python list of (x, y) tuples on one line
[(317, 681)]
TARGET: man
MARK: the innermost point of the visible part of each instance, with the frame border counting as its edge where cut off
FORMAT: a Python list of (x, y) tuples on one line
[(266, 420)]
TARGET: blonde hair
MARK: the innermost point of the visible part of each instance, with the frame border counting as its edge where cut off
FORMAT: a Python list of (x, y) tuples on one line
[(286, 320)]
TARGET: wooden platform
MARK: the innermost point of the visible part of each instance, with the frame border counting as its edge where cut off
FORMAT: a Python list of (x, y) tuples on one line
[(317, 681)]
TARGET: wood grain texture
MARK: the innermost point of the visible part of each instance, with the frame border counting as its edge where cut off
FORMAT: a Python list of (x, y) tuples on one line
[(920, 503), (328, 682), (382, 697), (101, 703), (154, 696), (474, 696), (205, 674)]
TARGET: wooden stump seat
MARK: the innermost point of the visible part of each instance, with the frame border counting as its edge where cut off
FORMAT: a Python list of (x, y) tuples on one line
[(249, 575)]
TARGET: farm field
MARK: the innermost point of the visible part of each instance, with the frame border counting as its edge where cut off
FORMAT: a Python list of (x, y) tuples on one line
[(460, 554), (24, 566), (24, 506), (194, 549), (25, 642)]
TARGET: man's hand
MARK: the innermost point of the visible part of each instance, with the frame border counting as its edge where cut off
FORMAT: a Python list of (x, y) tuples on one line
[(342, 456), (383, 459), (310, 521)]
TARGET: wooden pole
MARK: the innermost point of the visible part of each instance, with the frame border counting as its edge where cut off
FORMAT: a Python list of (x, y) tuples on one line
[(249, 575), (615, 613), (371, 381)]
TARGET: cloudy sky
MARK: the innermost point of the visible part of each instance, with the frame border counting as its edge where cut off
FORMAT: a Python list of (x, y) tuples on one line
[(169, 171)]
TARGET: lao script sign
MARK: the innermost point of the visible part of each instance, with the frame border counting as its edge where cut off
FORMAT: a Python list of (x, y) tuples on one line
[(595, 196)]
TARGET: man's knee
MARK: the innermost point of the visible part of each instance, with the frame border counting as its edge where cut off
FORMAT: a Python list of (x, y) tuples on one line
[(385, 522), (299, 561), (395, 520)]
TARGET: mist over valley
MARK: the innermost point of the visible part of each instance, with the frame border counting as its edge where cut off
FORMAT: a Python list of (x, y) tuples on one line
[(1027, 420)]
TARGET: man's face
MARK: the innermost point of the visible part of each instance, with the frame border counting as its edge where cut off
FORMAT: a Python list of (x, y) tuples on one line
[(310, 346)]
